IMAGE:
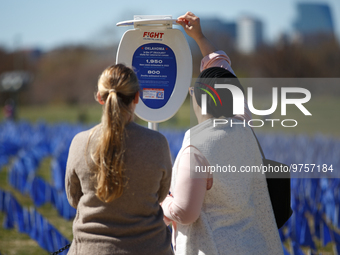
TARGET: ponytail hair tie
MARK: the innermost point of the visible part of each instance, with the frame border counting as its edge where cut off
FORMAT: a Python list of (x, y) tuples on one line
[(112, 90)]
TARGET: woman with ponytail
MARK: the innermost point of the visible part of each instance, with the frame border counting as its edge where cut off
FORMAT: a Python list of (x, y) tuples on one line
[(117, 175)]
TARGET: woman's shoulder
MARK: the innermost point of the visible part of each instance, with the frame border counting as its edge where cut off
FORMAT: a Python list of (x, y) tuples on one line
[(82, 137), (153, 140), (146, 132)]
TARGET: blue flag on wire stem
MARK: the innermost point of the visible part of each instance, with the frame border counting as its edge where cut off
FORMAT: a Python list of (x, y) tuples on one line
[(315, 191), (9, 218), (317, 224), (18, 215), (306, 237), (295, 223), (336, 237), (300, 222), (282, 236), (38, 226), (33, 233), (326, 234), (2, 201), (285, 252), (296, 249), (27, 220), (337, 241), (329, 205), (307, 207)]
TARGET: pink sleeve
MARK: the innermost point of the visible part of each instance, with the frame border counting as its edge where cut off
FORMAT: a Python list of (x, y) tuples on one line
[(189, 192), (217, 59)]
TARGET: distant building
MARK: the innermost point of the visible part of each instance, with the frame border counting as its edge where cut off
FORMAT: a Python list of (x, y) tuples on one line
[(313, 19), (216, 25), (222, 34), (249, 34), (246, 34)]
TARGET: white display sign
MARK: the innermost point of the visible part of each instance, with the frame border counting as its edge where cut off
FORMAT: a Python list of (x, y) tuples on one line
[(161, 58)]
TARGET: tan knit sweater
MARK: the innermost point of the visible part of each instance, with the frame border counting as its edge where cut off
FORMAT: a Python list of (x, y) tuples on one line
[(133, 223)]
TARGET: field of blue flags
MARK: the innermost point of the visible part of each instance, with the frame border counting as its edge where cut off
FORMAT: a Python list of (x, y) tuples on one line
[(314, 224)]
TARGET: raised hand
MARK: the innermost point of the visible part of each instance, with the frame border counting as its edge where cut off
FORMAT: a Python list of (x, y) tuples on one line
[(191, 24)]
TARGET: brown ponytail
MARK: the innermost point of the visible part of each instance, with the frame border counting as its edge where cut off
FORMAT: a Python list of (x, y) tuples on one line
[(117, 87)]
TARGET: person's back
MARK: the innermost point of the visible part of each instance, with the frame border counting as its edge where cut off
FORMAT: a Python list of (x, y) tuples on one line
[(135, 219), (236, 215), (112, 223), (231, 212)]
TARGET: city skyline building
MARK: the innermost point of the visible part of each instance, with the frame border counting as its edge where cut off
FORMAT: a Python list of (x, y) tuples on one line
[(215, 24), (313, 19), (249, 34)]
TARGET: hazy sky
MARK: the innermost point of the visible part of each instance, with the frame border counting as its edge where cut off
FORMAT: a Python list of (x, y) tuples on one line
[(47, 24)]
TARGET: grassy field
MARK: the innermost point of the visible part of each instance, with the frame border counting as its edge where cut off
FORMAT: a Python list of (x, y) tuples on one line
[(324, 120), (88, 114)]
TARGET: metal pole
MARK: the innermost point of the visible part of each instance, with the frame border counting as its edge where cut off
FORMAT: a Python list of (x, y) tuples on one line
[(153, 126)]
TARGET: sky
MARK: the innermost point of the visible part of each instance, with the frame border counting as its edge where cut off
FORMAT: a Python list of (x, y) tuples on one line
[(47, 24)]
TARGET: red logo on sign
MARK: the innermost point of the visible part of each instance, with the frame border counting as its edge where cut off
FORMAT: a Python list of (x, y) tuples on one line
[(153, 35)]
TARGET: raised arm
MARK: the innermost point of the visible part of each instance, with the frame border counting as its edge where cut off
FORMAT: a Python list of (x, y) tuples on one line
[(211, 56), (191, 24)]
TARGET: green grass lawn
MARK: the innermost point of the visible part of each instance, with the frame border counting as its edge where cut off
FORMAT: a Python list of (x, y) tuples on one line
[(89, 114), (325, 118)]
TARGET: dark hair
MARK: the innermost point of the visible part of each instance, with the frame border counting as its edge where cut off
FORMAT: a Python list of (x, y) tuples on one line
[(206, 82)]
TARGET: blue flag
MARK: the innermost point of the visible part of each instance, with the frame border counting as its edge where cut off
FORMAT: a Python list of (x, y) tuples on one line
[(337, 241), (296, 249), (326, 237), (282, 236), (306, 237), (317, 224), (285, 252)]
